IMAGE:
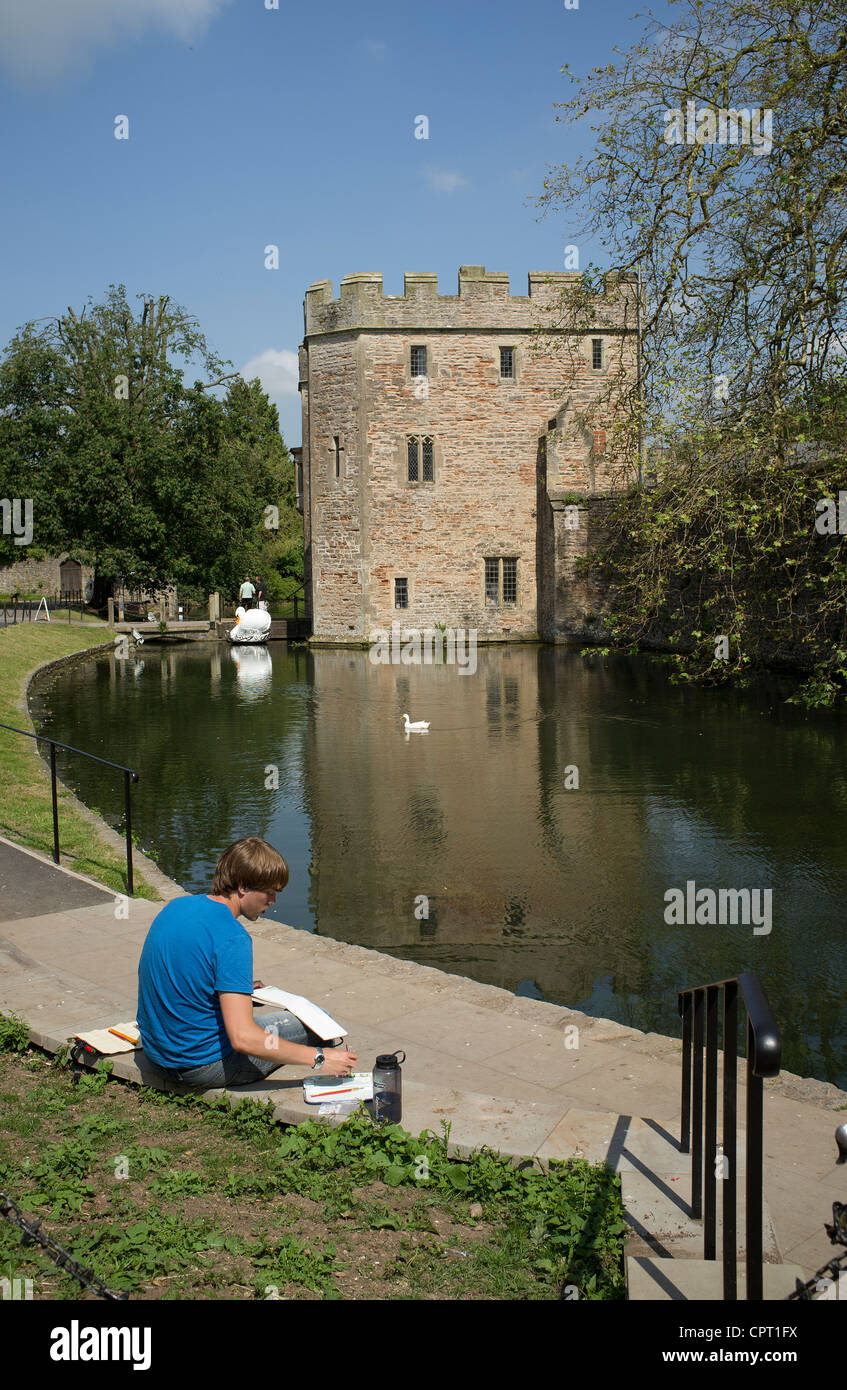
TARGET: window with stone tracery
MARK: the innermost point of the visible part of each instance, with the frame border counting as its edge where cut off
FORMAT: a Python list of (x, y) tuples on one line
[(420, 458)]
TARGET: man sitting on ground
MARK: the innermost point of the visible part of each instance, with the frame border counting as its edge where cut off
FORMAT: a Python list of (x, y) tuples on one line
[(195, 983)]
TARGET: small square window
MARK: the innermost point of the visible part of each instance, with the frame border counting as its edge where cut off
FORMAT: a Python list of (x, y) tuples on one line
[(501, 582), (418, 361), (507, 364), (401, 593), (597, 353)]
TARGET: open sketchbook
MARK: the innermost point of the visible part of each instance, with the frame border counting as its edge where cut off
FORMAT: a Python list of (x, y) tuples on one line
[(320, 1022), (121, 1037)]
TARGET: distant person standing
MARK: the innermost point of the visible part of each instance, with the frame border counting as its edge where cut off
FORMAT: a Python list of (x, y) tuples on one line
[(246, 593), (262, 594)]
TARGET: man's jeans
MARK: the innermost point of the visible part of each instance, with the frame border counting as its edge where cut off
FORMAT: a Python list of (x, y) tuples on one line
[(237, 1069)]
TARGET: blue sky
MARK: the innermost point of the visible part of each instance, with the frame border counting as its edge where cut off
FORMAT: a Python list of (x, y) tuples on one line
[(251, 126)]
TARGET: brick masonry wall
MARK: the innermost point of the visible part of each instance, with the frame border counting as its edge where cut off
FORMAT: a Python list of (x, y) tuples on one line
[(44, 576), (371, 525)]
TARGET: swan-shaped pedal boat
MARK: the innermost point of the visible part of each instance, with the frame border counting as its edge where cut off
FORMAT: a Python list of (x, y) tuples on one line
[(250, 626)]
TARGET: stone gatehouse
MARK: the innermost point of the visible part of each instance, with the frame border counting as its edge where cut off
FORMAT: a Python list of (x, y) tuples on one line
[(446, 474)]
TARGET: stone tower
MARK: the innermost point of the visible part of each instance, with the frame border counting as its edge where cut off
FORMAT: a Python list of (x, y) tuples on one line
[(439, 450)]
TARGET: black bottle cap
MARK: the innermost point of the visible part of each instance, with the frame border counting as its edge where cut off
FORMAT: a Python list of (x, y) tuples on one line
[(389, 1059)]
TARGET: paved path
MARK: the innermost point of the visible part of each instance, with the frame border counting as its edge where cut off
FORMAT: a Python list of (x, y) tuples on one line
[(497, 1068), (31, 886)]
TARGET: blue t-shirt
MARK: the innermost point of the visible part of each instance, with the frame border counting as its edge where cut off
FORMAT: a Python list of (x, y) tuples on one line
[(194, 949)]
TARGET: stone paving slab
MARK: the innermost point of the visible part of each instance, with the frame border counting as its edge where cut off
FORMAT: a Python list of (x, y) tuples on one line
[(697, 1280), (493, 1066)]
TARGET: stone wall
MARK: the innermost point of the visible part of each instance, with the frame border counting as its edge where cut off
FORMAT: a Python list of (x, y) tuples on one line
[(37, 576), (572, 602), (366, 524)]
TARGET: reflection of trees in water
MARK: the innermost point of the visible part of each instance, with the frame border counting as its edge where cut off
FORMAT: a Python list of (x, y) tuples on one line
[(200, 754)]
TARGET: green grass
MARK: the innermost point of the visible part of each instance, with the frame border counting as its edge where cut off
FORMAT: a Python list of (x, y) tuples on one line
[(26, 807), (178, 1197)]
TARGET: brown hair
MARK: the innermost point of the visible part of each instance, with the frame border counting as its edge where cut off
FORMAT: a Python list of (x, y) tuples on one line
[(252, 864)]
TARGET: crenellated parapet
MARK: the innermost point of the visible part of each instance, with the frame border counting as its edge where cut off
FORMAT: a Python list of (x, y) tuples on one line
[(483, 301)]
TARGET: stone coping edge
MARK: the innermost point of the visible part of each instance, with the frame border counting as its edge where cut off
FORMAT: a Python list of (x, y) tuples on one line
[(537, 1011), (492, 997)]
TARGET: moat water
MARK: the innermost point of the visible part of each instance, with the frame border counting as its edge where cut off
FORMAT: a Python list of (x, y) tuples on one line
[(529, 840)]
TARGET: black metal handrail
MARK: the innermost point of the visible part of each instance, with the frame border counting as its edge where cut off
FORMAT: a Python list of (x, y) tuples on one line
[(127, 771), (699, 1010), (295, 595), (30, 607)]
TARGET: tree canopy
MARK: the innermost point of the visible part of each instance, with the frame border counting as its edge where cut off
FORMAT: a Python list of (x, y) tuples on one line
[(720, 173), (150, 480)]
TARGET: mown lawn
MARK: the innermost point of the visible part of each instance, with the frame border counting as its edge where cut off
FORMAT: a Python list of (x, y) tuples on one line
[(177, 1198), (25, 804)]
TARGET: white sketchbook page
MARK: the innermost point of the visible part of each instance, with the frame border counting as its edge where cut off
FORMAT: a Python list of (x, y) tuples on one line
[(307, 1012), (359, 1086)]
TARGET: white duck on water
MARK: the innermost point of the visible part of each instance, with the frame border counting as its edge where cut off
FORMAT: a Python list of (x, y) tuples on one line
[(419, 728)]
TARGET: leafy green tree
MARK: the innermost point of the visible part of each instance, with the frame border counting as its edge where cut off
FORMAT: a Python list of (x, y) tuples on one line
[(261, 456), (128, 468), (720, 172), (737, 223)]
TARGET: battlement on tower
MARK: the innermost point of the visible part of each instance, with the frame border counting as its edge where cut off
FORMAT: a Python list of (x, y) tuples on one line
[(483, 301)]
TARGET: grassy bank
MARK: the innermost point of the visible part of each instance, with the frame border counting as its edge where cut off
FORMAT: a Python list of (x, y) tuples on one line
[(177, 1198), (25, 806)]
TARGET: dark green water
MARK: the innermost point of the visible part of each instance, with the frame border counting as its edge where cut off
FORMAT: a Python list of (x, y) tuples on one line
[(554, 892)]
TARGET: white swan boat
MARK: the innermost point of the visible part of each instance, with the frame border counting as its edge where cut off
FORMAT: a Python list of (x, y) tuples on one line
[(250, 626)]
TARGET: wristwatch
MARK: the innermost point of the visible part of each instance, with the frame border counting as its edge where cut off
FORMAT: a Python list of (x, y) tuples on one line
[(319, 1060)]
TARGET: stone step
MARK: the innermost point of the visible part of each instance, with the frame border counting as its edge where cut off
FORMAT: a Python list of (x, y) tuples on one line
[(655, 1181), (651, 1279)]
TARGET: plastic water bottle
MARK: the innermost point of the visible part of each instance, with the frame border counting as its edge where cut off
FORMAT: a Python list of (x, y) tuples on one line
[(388, 1088)]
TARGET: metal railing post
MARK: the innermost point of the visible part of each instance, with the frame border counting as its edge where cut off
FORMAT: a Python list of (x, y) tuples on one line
[(685, 1126), (697, 1107), (698, 1007), (92, 757), (128, 814), (730, 1141), (55, 803), (711, 1127), (753, 1174)]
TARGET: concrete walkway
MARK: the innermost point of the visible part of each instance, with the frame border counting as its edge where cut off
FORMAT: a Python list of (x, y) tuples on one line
[(501, 1070)]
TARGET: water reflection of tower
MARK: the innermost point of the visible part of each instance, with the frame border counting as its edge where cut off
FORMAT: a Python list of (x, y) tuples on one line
[(523, 879)]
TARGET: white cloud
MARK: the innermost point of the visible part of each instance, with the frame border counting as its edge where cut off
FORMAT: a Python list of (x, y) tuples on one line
[(445, 180), (39, 39), (277, 369)]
